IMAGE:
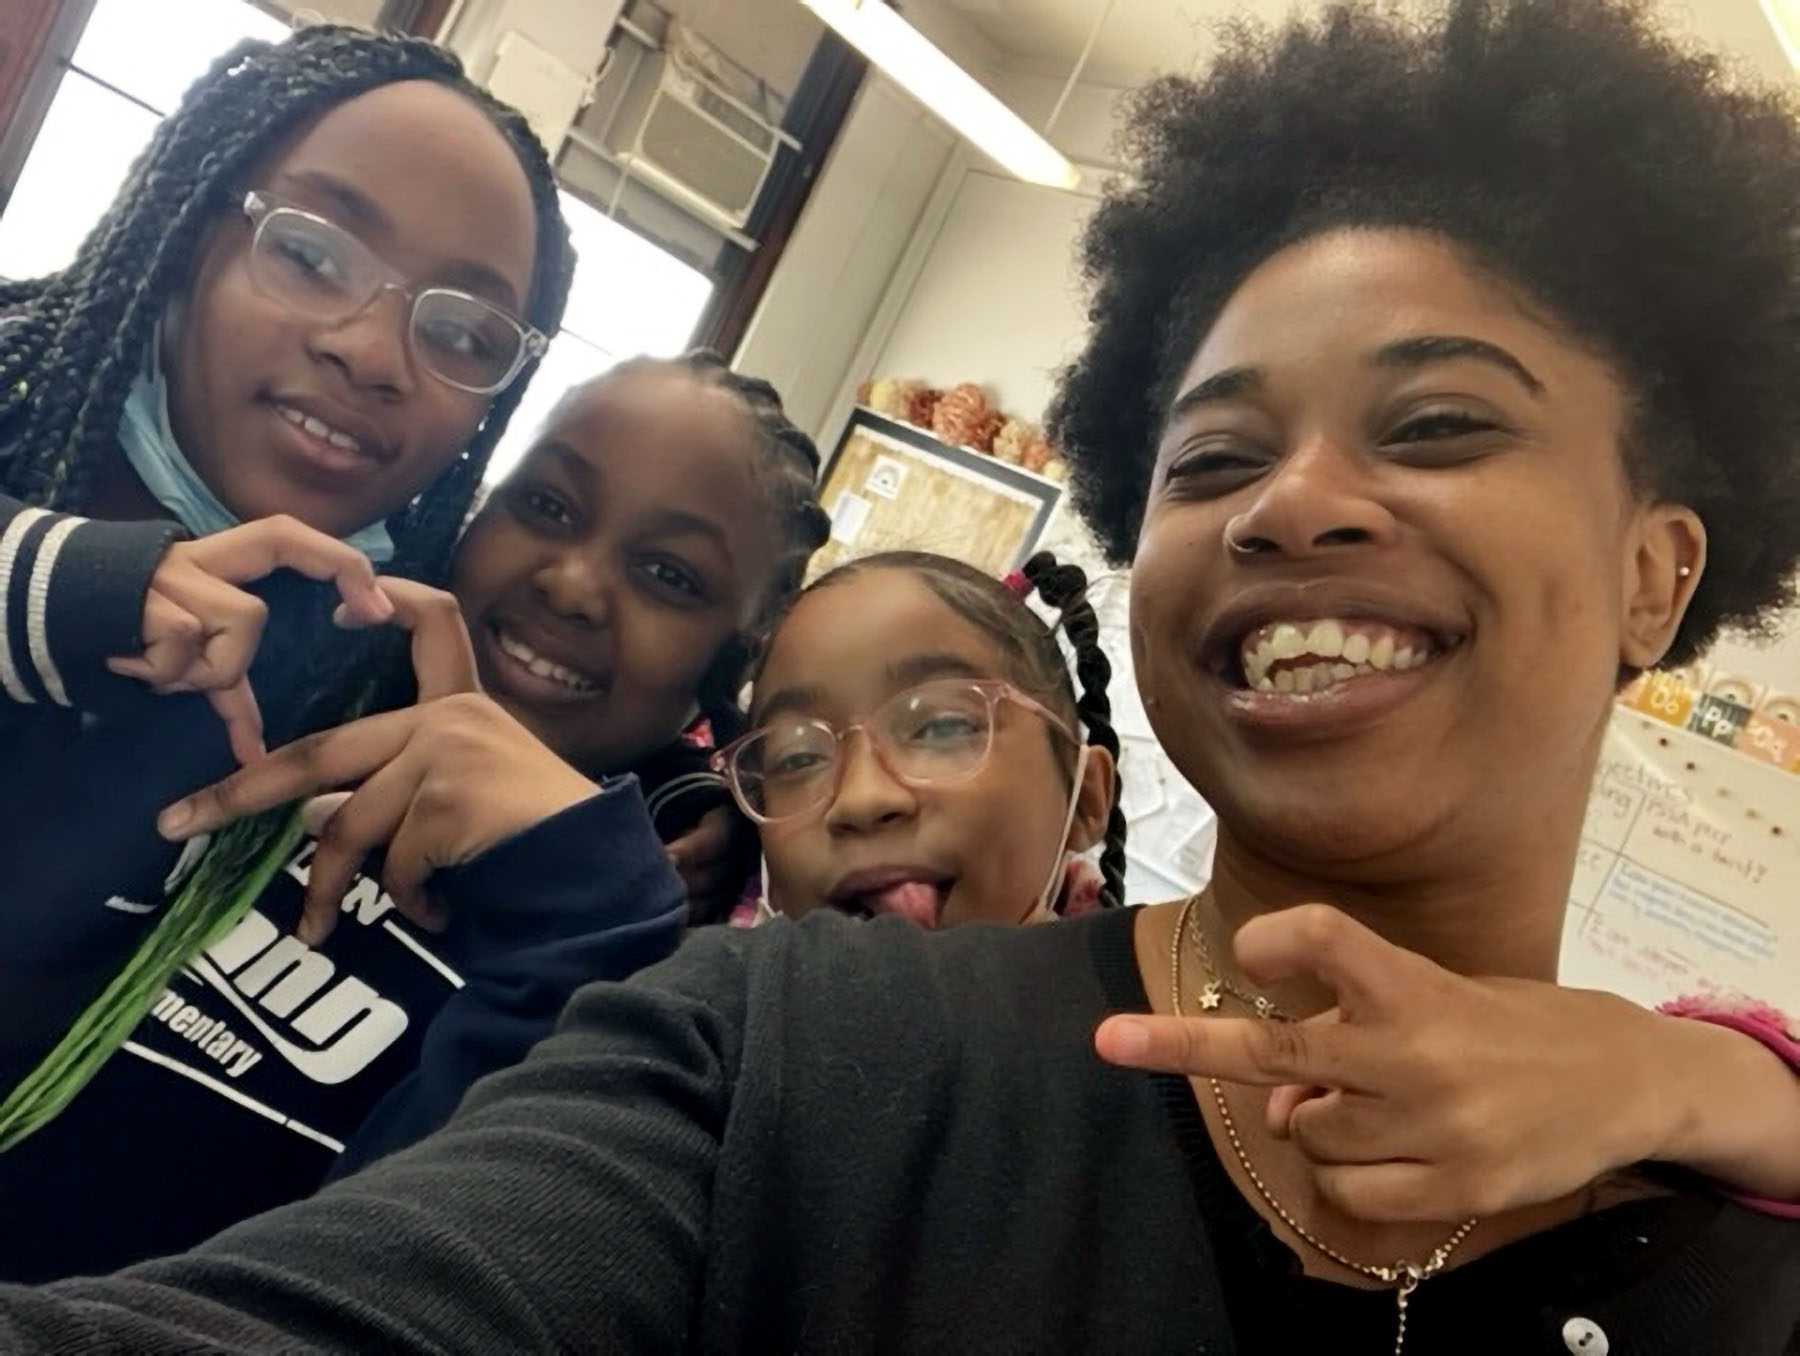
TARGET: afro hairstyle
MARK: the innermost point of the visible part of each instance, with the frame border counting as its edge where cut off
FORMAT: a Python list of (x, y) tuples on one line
[(1632, 189)]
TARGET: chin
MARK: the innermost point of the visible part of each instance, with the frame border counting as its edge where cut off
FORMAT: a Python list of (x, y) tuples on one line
[(1327, 830)]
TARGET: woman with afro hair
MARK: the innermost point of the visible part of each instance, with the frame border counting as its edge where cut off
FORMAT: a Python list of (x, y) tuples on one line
[(1442, 375)]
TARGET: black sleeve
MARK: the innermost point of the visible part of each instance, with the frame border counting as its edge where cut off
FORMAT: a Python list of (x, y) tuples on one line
[(71, 595), (565, 1207), (583, 895), (680, 787)]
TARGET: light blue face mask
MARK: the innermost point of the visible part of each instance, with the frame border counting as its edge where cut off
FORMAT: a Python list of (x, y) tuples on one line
[(151, 449)]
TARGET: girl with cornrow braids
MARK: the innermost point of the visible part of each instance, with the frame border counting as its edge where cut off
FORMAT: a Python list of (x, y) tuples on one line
[(661, 516), (286, 351), (972, 785)]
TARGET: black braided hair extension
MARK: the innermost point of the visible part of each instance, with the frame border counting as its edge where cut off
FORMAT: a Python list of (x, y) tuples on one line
[(74, 341), (1033, 658), (790, 471), (1064, 587), (315, 69)]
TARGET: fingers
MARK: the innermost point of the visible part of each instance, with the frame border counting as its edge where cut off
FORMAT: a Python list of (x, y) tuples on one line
[(442, 655), (1389, 1193), (241, 554), (405, 870), (236, 706), (231, 623), (362, 822), (172, 638), (1364, 970), (1282, 1102), (1342, 1128), (702, 847), (1239, 1050), (317, 812), (320, 762)]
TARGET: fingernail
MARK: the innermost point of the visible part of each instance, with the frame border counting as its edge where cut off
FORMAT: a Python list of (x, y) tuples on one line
[(1128, 1039), (384, 605), (172, 821)]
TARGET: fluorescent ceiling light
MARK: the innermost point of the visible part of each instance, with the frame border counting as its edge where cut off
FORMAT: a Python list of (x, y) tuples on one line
[(931, 77), (1784, 18)]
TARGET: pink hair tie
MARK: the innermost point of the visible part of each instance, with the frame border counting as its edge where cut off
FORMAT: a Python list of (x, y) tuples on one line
[(1017, 583)]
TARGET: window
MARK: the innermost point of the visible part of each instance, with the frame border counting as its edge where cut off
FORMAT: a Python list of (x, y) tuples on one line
[(127, 72), (630, 297)]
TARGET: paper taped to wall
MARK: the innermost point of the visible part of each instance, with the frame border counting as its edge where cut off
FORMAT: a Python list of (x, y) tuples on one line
[(1688, 880)]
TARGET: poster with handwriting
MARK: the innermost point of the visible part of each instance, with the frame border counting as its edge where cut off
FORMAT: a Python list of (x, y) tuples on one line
[(1688, 881)]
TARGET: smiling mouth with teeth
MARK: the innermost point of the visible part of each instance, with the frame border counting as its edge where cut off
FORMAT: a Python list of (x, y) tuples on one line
[(541, 667), (1301, 658), (319, 428)]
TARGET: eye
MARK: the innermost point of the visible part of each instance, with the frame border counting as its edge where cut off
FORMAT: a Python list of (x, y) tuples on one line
[(309, 258), (1438, 426), (459, 340), (944, 727), (797, 764), (537, 504), (1215, 466), (673, 578)]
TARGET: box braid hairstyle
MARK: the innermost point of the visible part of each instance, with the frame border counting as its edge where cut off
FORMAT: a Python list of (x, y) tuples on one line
[(1034, 659), (68, 353), (1638, 191)]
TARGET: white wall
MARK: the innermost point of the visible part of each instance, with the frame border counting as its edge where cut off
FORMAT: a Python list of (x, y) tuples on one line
[(995, 298), (996, 301), (862, 216), (573, 31)]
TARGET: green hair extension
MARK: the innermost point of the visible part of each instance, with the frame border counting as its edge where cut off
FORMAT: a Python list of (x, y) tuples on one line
[(212, 902)]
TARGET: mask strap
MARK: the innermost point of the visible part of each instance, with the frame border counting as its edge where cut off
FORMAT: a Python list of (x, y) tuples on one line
[(1042, 909), (765, 911)]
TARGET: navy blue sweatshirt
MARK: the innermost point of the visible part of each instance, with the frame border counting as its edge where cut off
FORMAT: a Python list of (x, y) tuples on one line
[(266, 1064)]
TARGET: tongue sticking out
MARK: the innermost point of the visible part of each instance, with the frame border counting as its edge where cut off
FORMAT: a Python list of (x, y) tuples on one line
[(912, 899)]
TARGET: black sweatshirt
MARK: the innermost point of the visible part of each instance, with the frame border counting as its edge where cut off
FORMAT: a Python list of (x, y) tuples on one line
[(839, 1137), (264, 1059)]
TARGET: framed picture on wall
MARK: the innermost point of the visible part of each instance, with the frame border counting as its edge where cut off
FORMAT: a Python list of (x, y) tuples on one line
[(890, 486)]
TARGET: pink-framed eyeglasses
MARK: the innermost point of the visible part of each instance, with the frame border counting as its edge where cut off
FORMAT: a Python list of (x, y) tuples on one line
[(935, 734)]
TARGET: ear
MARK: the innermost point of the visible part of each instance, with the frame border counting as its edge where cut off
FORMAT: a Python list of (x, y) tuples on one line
[(1661, 572), (1094, 801)]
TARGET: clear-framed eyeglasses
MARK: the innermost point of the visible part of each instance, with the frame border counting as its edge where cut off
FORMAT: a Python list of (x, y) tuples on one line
[(319, 269), (935, 734)]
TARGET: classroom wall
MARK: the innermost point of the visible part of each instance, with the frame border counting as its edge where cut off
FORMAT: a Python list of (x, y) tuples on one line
[(574, 30), (860, 220), (996, 298)]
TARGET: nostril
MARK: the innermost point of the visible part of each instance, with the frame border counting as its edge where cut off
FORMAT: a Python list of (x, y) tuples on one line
[(1343, 536), (1252, 546)]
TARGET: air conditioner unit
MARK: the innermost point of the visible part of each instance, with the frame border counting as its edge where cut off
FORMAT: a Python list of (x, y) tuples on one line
[(691, 140)]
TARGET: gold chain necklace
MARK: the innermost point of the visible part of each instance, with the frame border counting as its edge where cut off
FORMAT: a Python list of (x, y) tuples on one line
[(1404, 1276), (1217, 985)]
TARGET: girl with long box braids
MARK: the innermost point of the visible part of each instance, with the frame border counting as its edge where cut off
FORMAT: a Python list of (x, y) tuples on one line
[(611, 584), (1434, 364), (291, 342), (977, 773)]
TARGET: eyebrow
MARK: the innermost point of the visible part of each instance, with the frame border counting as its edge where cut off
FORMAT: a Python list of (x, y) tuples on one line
[(365, 213), (1424, 349), (791, 699), (922, 668), (1220, 386), (902, 673)]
